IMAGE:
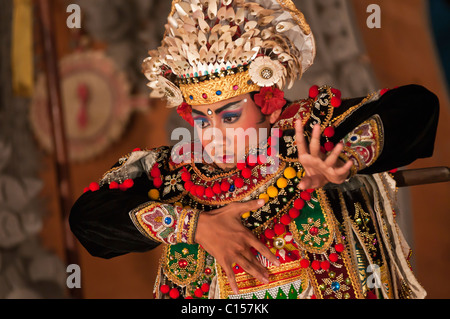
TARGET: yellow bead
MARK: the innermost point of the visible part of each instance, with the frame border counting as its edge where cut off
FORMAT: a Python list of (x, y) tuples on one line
[(177, 204), (264, 196), (246, 215), (300, 174), (282, 182), (272, 191), (290, 173), (153, 194)]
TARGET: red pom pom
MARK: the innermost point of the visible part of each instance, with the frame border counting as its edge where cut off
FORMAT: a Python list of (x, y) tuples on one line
[(262, 159), (304, 263), (241, 165), (269, 233), (155, 172), (188, 297), (216, 188), (314, 91), (336, 93), (310, 190), (198, 293), (174, 293), (276, 132), (137, 149), (188, 185), (252, 160), (325, 265), (305, 196), (225, 186), (193, 189), (299, 203), (335, 102), (94, 187), (329, 131), (329, 146), (339, 248), (246, 172), (200, 190), (333, 257), (164, 289), (285, 219), (185, 176), (279, 229), (393, 170), (128, 183), (315, 265), (294, 213), (209, 192), (114, 185), (239, 182), (383, 91), (273, 140), (205, 287), (86, 189)]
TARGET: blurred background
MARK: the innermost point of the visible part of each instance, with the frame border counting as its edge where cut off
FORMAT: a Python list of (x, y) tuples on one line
[(107, 113)]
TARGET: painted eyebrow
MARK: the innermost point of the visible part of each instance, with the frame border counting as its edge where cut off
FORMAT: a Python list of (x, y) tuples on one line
[(219, 110)]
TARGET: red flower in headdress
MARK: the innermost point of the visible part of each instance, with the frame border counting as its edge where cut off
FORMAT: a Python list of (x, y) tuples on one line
[(270, 99), (185, 111)]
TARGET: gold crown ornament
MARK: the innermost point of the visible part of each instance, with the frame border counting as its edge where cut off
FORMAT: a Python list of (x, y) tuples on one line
[(213, 50)]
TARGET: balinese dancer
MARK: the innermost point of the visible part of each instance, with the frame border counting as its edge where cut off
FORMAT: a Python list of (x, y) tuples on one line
[(275, 199)]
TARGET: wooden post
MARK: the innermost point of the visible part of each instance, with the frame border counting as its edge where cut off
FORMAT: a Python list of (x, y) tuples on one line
[(56, 116), (421, 176)]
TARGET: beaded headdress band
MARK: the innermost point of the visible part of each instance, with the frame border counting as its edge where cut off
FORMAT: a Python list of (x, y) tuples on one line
[(214, 50)]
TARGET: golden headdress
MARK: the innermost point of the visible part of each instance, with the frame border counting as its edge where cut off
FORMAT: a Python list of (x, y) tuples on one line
[(213, 50)]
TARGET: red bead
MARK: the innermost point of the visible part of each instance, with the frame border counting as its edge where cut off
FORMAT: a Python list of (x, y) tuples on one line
[(174, 293), (325, 265), (304, 263), (273, 140), (315, 265), (182, 263), (200, 190), (329, 131), (313, 297), (277, 132), (185, 176), (86, 189), (335, 102), (271, 151), (241, 165), (128, 183), (383, 91), (188, 185), (188, 297), (205, 287), (164, 289), (313, 91), (333, 257), (285, 219), (94, 187), (269, 233), (310, 190), (137, 149), (209, 192), (339, 248), (198, 293), (239, 182), (155, 172), (114, 185), (246, 172), (225, 186), (314, 230), (216, 188), (395, 170), (294, 213), (279, 229), (204, 95), (208, 271), (328, 146), (305, 196), (299, 203)]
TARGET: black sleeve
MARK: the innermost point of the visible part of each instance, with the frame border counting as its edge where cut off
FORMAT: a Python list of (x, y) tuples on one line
[(101, 223), (409, 115)]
